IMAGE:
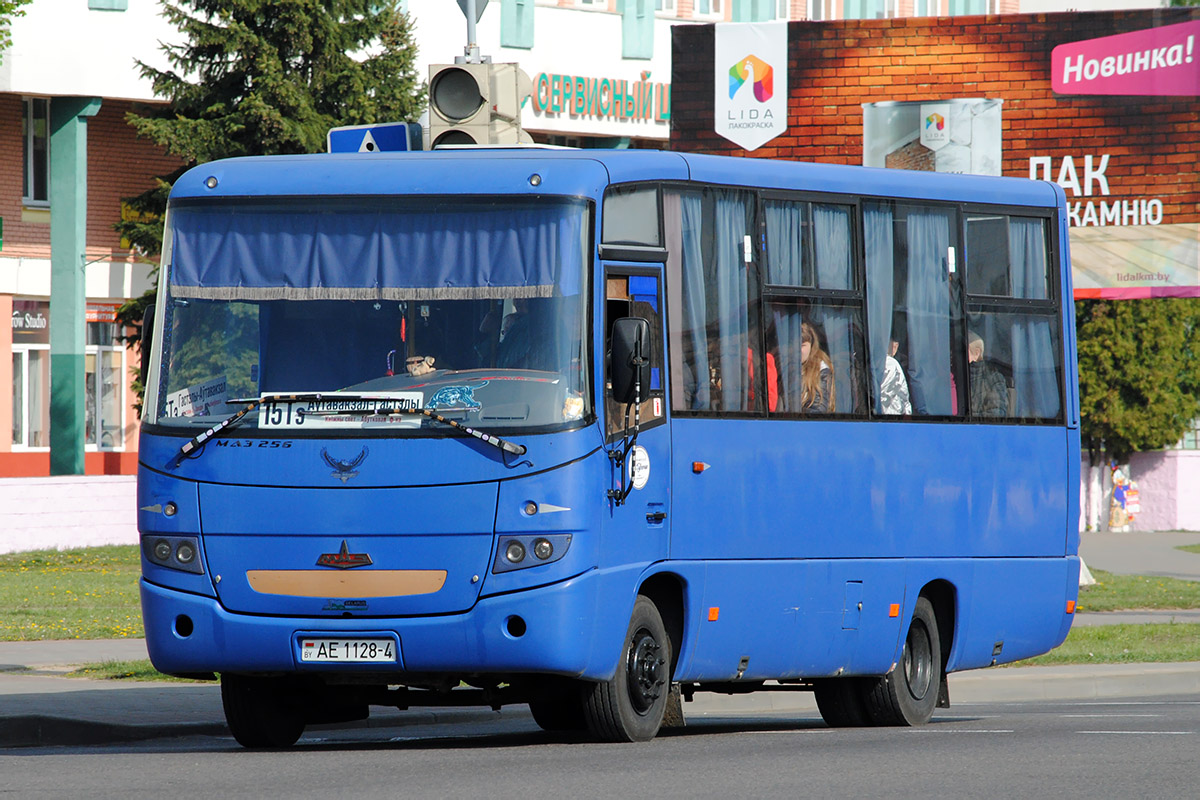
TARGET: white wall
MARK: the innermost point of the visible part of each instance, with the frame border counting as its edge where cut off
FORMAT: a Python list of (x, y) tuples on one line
[(60, 47), (65, 512)]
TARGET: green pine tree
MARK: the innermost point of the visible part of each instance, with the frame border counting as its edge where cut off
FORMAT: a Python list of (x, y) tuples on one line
[(267, 77), (1139, 373)]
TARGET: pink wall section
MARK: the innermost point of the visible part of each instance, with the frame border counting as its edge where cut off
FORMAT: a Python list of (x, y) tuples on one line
[(1169, 485)]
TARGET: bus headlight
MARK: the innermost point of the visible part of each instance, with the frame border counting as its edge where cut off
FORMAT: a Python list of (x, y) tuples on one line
[(174, 552), (512, 550)]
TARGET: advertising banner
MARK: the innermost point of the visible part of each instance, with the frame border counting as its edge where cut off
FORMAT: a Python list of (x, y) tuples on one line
[(1156, 61), (750, 82)]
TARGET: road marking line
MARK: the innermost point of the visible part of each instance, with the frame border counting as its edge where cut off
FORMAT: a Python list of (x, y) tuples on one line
[(957, 730), (1143, 733)]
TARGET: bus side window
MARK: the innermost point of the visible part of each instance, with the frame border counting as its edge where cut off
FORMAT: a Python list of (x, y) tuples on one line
[(634, 296)]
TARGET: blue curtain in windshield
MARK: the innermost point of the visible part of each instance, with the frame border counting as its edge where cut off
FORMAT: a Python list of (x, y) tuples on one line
[(364, 249)]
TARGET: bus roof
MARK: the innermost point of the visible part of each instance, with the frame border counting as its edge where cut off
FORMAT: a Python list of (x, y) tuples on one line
[(579, 173)]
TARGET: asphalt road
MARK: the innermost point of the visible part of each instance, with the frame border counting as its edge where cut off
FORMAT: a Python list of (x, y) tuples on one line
[(1111, 748)]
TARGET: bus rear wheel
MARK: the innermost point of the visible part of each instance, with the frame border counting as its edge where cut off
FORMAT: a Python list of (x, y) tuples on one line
[(841, 701), (258, 712), (908, 694), (629, 707)]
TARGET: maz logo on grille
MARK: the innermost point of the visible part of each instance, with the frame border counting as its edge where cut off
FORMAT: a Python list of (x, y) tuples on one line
[(344, 559)]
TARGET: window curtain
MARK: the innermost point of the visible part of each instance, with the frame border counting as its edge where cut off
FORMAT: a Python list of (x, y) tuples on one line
[(831, 246), (928, 302), (786, 267), (1035, 376), (879, 245), (732, 299), (695, 303), (327, 249)]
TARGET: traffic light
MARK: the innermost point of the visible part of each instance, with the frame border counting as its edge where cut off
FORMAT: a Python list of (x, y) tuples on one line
[(477, 104)]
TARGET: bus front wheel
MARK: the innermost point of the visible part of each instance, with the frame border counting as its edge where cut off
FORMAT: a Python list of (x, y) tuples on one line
[(629, 707), (258, 712), (908, 694)]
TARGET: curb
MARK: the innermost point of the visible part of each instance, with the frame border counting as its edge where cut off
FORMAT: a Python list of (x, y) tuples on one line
[(48, 731)]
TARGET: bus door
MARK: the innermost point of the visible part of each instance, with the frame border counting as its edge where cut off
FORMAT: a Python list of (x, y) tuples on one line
[(644, 511)]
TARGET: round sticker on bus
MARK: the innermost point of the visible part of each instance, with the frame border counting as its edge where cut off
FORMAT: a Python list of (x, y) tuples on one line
[(639, 466)]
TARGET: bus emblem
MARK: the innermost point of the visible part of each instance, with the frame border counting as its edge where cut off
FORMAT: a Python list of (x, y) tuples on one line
[(344, 470), (344, 559)]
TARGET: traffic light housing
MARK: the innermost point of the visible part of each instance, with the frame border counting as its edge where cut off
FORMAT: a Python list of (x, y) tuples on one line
[(477, 104)]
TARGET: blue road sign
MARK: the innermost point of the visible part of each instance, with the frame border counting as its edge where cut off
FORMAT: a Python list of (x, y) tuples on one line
[(381, 138)]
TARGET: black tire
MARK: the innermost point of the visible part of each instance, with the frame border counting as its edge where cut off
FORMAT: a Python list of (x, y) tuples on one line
[(559, 707), (630, 706), (258, 712), (908, 694), (841, 703)]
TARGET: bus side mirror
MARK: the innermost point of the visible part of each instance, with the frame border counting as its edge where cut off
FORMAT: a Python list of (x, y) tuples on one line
[(147, 340), (630, 359)]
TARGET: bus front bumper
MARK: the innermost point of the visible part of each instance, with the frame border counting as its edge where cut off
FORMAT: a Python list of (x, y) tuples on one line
[(555, 629)]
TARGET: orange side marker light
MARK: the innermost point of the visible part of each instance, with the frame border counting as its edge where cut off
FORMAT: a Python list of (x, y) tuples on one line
[(1070, 606), (699, 466), (894, 610), (713, 613)]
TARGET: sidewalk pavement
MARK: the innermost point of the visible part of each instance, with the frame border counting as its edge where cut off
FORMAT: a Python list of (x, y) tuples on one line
[(39, 707)]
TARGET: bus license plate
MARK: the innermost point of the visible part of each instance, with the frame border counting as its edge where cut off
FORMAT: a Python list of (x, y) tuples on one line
[(348, 651)]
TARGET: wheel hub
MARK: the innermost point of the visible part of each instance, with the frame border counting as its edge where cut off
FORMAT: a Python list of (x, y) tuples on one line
[(644, 670)]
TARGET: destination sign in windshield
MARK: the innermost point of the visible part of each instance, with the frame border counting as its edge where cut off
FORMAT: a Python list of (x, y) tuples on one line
[(360, 411)]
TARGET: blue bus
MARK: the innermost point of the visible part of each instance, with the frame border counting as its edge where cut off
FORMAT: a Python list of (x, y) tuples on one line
[(598, 430)]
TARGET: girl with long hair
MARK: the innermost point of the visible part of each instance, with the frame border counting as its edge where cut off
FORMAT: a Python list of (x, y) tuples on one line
[(816, 375)]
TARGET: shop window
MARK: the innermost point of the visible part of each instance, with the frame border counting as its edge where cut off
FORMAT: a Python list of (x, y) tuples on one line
[(35, 138), (516, 23), (108, 5), (665, 7), (709, 9), (958, 7)]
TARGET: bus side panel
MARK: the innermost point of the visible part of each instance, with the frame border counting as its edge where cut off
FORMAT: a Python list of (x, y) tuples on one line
[(844, 489), (1018, 606), (791, 619)]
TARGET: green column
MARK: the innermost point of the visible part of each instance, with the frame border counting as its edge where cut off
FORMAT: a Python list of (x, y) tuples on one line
[(68, 235)]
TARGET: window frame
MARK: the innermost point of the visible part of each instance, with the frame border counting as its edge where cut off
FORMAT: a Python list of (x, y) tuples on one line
[(29, 152)]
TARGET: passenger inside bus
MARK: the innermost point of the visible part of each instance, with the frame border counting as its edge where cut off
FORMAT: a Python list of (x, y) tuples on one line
[(893, 391), (817, 386), (988, 389)]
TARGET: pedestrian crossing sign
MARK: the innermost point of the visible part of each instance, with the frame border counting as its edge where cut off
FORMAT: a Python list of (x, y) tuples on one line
[(383, 137)]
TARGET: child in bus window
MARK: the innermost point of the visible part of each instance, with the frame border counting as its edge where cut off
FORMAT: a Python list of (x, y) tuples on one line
[(816, 374)]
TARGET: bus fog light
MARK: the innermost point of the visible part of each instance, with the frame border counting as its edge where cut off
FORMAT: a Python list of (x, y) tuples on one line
[(515, 552), (162, 550), (543, 549)]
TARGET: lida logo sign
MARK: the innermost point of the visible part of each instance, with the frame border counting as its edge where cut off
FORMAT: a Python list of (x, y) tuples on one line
[(751, 63)]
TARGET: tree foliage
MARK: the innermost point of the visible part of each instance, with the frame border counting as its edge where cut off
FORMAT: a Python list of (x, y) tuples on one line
[(1139, 373), (266, 77), (8, 10)]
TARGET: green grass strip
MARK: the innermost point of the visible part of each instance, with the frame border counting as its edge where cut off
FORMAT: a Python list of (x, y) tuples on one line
[(141, 670), (89, 593), (1124, 644), (1114, 592)]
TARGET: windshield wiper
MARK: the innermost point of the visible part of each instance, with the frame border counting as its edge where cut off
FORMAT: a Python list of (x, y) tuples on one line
[(252, 403)]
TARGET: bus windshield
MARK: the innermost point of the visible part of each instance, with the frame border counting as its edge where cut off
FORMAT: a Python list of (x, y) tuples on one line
[(472, 308)]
